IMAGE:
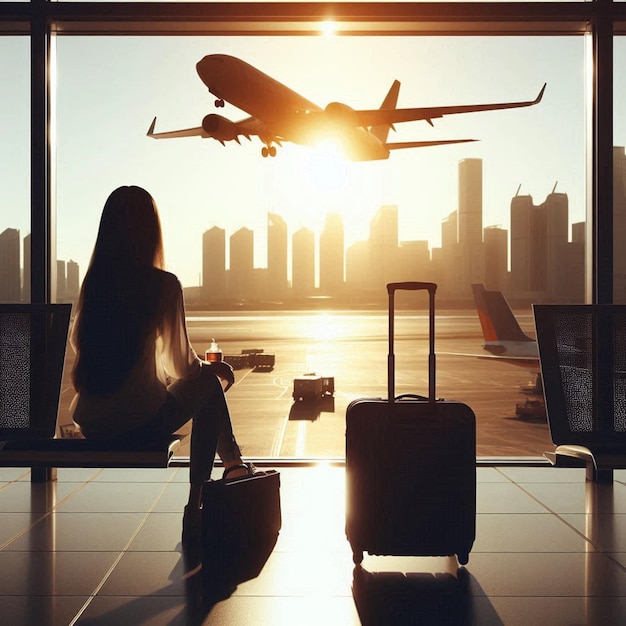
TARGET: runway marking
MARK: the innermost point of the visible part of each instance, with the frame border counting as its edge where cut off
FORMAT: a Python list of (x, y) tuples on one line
[(279, 438), (300, 440)]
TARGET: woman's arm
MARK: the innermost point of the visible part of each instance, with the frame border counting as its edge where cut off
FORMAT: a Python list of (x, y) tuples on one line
[(178, 357)]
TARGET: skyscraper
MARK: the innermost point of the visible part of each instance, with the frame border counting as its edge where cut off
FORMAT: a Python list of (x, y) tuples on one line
[(496, 243), (26, 270), (332, 256), (358, 275), (471, 266), (61, 281), (276, 255), (213, 263), (522, 244), (470, 219), (414, 261), (539, 247), (619, 225), (241, 275), (303, 262), (384, 246), (73, 280), (10, 284)]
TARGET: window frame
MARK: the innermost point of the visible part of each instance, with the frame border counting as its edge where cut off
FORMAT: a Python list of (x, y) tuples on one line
[(598, 21)]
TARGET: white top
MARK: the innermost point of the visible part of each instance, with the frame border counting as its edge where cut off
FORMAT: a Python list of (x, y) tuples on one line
[(167, 357)]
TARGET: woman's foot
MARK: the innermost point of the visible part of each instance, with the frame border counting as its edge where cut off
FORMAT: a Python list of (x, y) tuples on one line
[(238, 470)]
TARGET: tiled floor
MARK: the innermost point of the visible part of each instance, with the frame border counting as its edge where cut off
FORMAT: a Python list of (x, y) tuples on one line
[(103, 547)]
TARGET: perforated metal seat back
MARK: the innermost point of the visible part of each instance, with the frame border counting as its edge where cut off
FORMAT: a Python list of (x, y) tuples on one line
[(582, 349), (32, 351)]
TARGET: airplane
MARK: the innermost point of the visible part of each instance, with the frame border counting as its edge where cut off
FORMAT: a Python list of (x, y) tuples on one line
[(504, 338), (279, 114)]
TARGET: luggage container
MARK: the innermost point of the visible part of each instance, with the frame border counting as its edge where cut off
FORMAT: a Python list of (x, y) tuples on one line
[(410, 466)]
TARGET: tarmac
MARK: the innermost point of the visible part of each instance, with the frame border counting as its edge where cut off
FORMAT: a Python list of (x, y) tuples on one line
[(269, 422)]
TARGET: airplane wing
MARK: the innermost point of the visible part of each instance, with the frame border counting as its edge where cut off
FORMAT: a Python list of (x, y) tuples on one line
[(246, 127), (424, 144), (378, 117)]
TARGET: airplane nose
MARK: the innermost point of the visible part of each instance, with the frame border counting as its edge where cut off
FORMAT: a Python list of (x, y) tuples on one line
[(203, 67)]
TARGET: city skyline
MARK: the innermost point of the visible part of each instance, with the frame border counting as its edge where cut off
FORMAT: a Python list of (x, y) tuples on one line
[(546, 254)]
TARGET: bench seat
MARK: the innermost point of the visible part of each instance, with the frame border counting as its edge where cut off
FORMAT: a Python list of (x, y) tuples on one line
[(53, 453), (598, 463)]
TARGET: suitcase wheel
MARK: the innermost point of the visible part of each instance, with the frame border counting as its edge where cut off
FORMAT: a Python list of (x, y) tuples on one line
[(463, 558), (357, 556)]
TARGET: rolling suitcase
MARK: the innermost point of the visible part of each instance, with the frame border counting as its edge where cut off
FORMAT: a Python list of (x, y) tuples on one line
[(410, 466)]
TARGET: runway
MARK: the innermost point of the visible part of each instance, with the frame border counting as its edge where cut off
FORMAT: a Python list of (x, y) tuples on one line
[(352, 347)]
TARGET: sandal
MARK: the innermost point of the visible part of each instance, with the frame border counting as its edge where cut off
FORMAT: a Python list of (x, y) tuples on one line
[(249, 468)]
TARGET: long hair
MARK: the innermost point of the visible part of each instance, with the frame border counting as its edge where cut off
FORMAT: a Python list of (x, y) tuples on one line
[(118, 307)]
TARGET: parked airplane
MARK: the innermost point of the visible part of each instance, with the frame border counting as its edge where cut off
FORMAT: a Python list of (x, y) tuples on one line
[(504, 338), (278, 114)]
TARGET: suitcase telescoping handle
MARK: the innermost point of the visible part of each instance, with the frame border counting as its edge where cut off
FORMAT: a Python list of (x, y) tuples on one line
[(391, 359)]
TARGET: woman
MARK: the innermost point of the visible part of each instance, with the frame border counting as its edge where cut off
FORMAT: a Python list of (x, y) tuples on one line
[(136, 374)]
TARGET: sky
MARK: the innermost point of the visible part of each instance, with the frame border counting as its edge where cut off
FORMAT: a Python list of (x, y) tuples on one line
[(110, 88)]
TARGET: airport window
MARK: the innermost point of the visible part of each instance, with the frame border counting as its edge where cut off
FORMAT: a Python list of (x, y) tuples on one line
[(528, 240), (334, 325), (619, 171), (15, 177)]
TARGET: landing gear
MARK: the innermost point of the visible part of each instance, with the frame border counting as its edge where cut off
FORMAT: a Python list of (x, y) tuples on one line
[(219, 103), (268, 151)]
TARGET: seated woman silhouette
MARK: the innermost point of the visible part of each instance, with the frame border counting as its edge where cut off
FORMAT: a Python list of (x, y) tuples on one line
[(136, 374)]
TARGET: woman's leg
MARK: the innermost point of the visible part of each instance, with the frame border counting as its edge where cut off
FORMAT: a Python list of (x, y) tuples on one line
[(203, 399)]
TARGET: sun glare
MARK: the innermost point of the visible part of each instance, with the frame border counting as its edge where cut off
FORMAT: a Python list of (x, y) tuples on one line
[(328, 28), (323, 329)]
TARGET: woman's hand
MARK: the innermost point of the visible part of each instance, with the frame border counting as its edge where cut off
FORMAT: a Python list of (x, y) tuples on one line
[(224, 371)]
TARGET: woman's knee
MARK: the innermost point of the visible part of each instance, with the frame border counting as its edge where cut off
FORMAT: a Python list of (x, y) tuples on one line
[(194, 394)]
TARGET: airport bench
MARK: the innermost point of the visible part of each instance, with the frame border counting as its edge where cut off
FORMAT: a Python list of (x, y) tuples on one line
[(33, 340), (582, 350), (44, 456)]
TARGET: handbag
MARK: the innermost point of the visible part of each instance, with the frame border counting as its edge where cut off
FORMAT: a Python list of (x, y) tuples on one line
[(241, 519)]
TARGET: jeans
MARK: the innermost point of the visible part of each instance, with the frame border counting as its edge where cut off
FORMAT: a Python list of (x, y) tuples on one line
[(201, 399)]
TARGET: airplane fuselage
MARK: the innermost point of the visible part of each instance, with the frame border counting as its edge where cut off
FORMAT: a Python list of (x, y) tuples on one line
[(283, 111)]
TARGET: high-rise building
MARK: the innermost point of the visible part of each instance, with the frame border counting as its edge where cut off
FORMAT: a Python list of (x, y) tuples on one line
[(10, 284), (303, 262), (213, 263), (619, 225), (522, 244), (445, 261), (61, 281), (241, 274), (496, 245), (576, 263), (414, 261), (384, 246), (539, 247), (556, 208), (358, 273), (332, 256), (73, 281), (26, 269), (276, 255), (470, 252), (470, 218)]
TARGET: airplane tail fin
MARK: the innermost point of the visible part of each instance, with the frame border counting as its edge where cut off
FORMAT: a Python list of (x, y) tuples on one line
[(496, 317), (391, 100)]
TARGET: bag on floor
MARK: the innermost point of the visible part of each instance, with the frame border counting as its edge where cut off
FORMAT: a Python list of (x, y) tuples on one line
[(241, 519)]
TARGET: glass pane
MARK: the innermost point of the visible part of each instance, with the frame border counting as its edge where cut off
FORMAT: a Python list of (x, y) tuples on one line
[(494, 211), (619, 171), (15, 171)]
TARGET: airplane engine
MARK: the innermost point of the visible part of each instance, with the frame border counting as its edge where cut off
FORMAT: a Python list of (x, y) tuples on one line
[(341, 114), (219, 127)]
